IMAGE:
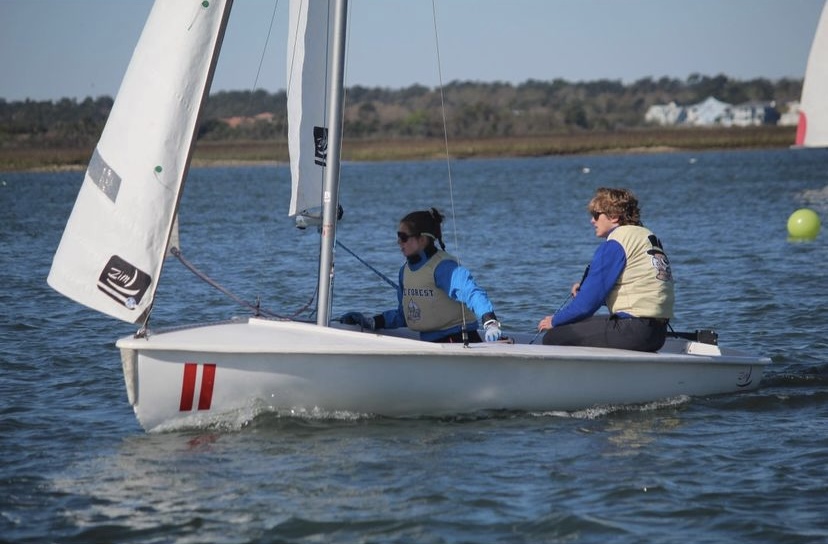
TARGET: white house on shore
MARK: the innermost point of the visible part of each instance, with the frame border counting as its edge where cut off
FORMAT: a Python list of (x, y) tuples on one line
[(751, 114), (790, 117), (706, 113), (665, 114), (713, 112)]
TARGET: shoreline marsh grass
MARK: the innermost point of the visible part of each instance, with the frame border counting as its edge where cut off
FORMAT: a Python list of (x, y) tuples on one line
[(650, 140)]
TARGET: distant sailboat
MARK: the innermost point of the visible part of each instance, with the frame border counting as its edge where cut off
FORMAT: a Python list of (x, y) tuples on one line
[(812, 130), (111, 255)]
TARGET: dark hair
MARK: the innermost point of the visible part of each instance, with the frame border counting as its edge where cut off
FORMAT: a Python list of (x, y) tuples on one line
[(620, 203), (426, 223)]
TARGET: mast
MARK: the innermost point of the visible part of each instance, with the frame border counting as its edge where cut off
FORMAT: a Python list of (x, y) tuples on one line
[(330, 189)]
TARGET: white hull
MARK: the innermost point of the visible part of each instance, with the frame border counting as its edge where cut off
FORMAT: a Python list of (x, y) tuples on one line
[(259, 362)]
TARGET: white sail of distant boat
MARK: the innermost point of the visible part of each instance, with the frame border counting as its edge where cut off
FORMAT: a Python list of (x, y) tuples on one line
[(111, 254), (812, 130)]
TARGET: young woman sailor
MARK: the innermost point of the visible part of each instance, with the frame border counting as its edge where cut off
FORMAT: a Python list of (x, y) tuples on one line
[(436, 296)]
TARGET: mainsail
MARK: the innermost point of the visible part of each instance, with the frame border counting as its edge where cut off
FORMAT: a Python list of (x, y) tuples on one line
[(308, 72), (112, 250), (812, 130)]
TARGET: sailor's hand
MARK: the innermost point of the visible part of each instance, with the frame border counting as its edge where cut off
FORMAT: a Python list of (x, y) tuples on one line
[(356, 318), (545, 323), (575, 288), (492, 330)]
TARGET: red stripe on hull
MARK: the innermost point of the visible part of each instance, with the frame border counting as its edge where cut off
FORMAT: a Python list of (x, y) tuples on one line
[(208, 378), (188, 387)]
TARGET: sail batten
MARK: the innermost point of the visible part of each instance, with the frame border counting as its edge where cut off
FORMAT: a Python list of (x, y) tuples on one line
[(112, 250)]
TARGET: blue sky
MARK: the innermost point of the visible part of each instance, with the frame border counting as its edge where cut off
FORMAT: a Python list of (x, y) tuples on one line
[(52, 49)]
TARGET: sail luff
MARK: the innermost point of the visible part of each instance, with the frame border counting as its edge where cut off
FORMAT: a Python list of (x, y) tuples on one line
[(812, 130), (112, 250)]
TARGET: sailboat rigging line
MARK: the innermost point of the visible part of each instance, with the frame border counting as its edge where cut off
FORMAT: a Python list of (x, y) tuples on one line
[(371, 268), (257, 309), (564, 303), (445, 123), (448, 156), (264, 50)]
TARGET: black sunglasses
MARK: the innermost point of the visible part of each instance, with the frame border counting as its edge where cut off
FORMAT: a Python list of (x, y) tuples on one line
[(404, 236), (596, 215)]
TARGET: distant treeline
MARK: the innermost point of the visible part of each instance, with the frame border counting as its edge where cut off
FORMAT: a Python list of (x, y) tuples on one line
[(473, 110)]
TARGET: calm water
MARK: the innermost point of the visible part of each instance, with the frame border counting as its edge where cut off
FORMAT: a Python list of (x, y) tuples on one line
[(76, 467)]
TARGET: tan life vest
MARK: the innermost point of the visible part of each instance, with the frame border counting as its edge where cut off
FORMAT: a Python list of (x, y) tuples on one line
[(427, 307), (645, 287)]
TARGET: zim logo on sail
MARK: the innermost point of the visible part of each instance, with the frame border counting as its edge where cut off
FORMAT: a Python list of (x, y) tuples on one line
[(320, 145), (122, 281)]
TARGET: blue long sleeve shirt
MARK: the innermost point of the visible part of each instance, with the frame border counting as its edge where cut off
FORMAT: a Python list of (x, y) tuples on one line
[(605, 268), (455, 280)]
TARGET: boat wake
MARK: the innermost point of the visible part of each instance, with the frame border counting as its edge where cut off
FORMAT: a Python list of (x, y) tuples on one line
[(597, 412), (818, 198), (805, 376), (255, 414), (260, 414)]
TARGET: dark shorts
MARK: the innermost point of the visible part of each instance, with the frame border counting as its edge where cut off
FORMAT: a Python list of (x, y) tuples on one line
[(605, 331)]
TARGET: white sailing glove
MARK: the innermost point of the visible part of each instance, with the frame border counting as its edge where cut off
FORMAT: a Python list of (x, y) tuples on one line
[(492, 330)]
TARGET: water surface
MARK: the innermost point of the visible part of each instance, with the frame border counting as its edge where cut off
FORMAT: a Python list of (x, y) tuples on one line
[(76, 467)]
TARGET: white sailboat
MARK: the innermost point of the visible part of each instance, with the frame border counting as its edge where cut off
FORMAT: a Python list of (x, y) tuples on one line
[(812, 129), (112, 251)]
